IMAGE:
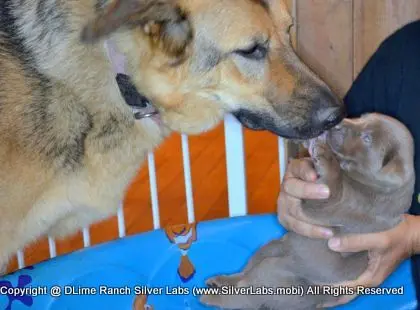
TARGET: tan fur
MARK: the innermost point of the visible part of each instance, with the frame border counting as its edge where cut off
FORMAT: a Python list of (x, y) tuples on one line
[(194, 82), (69, 142)]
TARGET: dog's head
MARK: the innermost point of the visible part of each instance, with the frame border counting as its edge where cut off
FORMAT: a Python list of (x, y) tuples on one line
[(374, 149), (198, 59)]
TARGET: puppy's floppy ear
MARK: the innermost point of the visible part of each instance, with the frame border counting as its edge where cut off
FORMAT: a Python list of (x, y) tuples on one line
[(163, 20), (392, 175)]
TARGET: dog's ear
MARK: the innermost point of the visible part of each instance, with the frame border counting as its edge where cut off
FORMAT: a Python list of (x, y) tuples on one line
[(280, 13), (162, 20), (393, 173)]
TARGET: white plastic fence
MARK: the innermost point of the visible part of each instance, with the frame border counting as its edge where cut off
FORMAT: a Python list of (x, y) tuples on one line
[(236, 176)]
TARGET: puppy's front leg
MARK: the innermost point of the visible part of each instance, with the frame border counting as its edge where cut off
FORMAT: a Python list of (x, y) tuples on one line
[(327, 166)]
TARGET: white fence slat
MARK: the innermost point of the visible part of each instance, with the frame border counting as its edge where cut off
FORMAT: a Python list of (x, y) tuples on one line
[(121, 221), (235, 161), (153, 190), (52, 247), (283, 157), (86, 237), (20, 259), (187, 178)]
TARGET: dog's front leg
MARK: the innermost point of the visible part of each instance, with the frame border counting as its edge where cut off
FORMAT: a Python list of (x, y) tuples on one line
[(222, 292), (77, 220), (114, 152)]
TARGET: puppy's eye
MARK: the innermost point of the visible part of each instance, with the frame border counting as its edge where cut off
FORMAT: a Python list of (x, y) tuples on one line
[(366, 138), (255, 52)]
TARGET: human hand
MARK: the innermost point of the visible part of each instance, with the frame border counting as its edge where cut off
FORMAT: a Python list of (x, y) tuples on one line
[(299, 183), (386, 251)]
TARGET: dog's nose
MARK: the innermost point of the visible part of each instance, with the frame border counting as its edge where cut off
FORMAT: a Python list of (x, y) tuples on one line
[(328, 110), (330, 117)]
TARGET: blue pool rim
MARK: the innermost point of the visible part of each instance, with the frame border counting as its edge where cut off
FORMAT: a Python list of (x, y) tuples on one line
[(151, 260)]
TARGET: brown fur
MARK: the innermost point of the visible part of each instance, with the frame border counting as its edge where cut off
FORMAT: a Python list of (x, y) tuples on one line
[(70, 144), (369, 193)]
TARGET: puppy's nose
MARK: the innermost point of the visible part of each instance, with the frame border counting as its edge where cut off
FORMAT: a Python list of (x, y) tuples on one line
[(328, 110)]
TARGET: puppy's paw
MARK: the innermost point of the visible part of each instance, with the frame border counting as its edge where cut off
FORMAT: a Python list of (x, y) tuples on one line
[(224, 291), (347, 165), (325, 162), (211, 300), (321, 151), (222, 281), (212, 296), (234, 301)]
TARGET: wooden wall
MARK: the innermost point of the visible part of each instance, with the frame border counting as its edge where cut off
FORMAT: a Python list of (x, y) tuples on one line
[(335, 38)]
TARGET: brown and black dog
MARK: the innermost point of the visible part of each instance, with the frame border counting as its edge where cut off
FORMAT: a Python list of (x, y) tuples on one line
[(368, 164), (69, 143)]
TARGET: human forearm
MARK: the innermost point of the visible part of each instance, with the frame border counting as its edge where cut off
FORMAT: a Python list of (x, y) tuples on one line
[(413, 223)]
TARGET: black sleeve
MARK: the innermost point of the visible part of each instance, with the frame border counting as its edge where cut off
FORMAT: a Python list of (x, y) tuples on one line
[(358, 99), (371, 90), (383, 85)]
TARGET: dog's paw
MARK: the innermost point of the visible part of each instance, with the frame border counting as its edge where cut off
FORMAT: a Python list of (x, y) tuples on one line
[(325, 163), (222, 281), (210, 300), (347, 165), (322, 151), (221, 293), (224, 292)]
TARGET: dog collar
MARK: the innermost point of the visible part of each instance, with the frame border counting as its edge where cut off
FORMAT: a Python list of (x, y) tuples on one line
[(141, 106)]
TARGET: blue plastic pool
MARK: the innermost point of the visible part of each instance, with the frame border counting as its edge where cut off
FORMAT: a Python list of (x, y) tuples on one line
[(151, 260)]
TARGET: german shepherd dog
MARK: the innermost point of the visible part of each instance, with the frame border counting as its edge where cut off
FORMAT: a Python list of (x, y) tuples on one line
[(70, 144)]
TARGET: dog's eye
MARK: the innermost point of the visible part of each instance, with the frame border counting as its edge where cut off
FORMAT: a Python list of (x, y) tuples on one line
[(256, 52), (289, 29), (366, 138)]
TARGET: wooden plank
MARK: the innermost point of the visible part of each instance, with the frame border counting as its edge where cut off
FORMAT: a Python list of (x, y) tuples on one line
[(324, 40), (376, 20)]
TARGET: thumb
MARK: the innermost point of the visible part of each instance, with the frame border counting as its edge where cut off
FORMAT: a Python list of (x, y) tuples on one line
[(357, 242)]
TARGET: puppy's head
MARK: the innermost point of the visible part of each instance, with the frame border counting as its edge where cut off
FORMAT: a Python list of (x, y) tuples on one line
[(198, 59), (375, 149)]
